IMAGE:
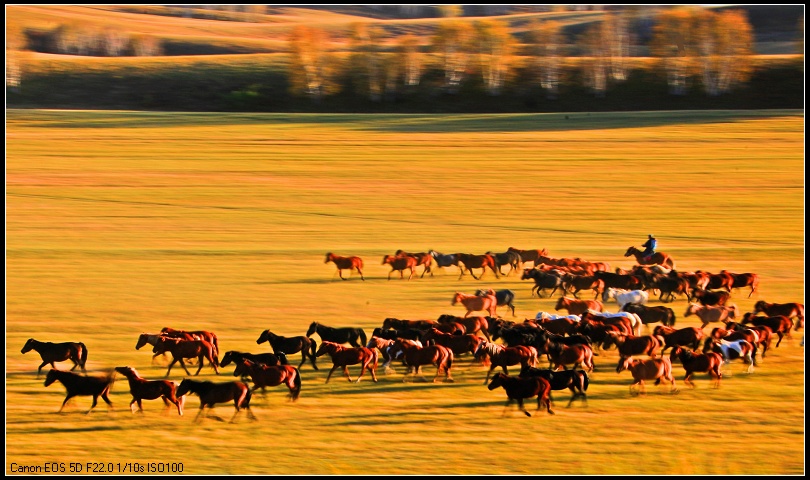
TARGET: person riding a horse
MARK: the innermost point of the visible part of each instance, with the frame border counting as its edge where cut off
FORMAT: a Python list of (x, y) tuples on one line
[(649, 247)]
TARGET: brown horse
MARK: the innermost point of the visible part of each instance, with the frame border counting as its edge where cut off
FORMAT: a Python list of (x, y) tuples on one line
[(469, 261), (400, 264), (290, 345), (472, 325), (577, 355), (789, 310), (415, 356), (741, 280), (501, 356), (143, 389), (270, 376), (459, 344), (345, 263), (209, 337), (518, 388), (698, 362), (657, 369), (658, 258), (77, 385), (152, 339), (630, 345), (529, 255), (709, 314), (211, 393), (780, 325), (475, 303), (180, 349), (578, 307), (406, 324), (50, 352), (422, 258), (684, 337), (344, 356)]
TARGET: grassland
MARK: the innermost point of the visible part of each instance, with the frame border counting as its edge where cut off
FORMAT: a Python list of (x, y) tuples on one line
[(119, 223)]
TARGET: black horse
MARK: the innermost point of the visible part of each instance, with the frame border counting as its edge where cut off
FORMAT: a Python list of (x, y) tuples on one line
[(77, 385), (354, 336), (271, 359), (58, 352), (290, 345), (211, 393), (504, 298), (510, 258), (574, 380)]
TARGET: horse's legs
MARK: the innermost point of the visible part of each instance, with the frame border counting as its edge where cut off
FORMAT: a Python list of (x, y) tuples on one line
[(372, 371), (39, 370), (346, 373), (522, 407), (688, 380), (106, 398), (202, 408), (68, 397), (340, 272), (200, 360)]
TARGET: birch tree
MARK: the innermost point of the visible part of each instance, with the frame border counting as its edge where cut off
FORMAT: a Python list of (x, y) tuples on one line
[(545, 51), (494, 44), (311, 68)]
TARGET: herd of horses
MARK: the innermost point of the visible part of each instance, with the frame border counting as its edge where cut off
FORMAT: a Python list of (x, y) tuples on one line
[(568, 342)]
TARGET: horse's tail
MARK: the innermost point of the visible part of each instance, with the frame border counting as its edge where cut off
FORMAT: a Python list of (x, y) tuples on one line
[(295, 392), (82, 355), (362, 337)]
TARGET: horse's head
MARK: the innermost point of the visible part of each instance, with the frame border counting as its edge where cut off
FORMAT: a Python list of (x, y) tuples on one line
[(185, 386), (326, 347), (760, 306), (691, 310), (227, 359), (142, 340), (29, 345), (328, 257), (242, 367), (456, 298), (630, 251), (126, 371), (312, 327), (625, 363), (561, 303), (497, 381), (53, 374), (264, 337)]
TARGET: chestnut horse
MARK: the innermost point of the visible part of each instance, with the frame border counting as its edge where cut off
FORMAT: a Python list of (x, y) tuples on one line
[(422, 258), (529, 255), (518, 388), (778, 324), (789, 310), (709, 314), (470, 261), (651, 369), (415, 356), (741, 280), (180, 349), (50, 352), (658, 258), (698, 362), (501, 356), (577, 355), (459, 344), (475, 303), (684, 337), (209, 337), (346, 263), (578, 307), (344, 356), (211, 393), (400, 264), (143, 389), (270, 376)]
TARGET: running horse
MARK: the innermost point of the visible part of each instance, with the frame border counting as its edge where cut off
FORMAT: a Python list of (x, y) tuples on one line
[(80, 385), (657, 369), (657, 258), (789, 310), (422, 258), (343, 356), (578, 307), (270, 376), (501, 356), (50, 352), (211, 393), (415, 356), (475, 303), (152, 339), (519, 388), (346, 263), (181, 349), (710, 314), (400, 264), (692, 362), (290, 345), (143, 389), (732, 350), (470, 261), (356, 337)]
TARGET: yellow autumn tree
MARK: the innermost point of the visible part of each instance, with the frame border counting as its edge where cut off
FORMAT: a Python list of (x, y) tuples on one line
[(311, 70), (494, 46)]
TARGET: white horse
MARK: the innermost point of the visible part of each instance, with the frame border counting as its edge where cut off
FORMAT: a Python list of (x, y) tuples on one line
[(635, 320), (554, 316), (623, 297)]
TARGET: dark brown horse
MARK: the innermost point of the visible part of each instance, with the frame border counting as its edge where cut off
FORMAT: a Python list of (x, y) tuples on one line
[(469, 261), (415, 356), (519, 388), (459, 344), (343, 356), (780, 325), (345, 263), (181, 349), (290, 345), (503, 357), (211, 393), (232, 356), (658, 258), (206, 335), (472, 325), (575, 380), (529, 255), (270, 376), (80, 385), (50, 352), (143, 389), (742, 280), (698, 362), (790, 310), (355, 336), (684, 337), (152, 339)]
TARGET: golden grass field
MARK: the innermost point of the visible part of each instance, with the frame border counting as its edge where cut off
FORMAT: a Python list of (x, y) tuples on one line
[(119, 223)]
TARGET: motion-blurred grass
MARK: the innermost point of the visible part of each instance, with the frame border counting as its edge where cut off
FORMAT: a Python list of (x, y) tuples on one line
[(119, 223)]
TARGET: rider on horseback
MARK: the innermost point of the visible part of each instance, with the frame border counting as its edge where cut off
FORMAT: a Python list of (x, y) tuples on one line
[(649, 247)]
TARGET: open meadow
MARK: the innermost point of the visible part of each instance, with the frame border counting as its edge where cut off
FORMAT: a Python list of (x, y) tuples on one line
[(120, 223)]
